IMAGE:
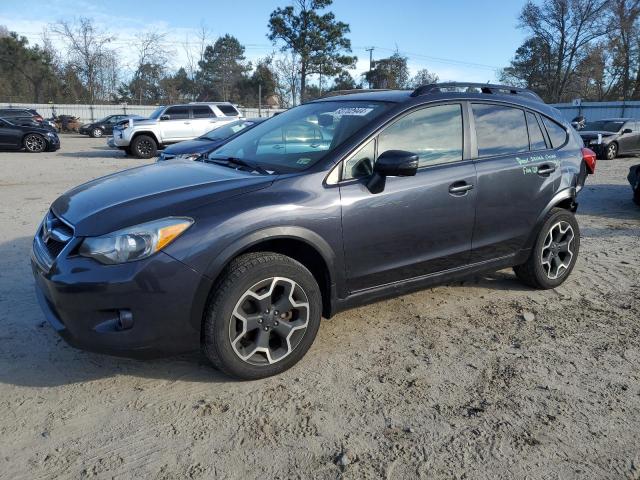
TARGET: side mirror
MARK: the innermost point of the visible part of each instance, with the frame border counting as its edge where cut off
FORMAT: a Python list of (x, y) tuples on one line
[(164, 117), (392, 163), (627, 130)]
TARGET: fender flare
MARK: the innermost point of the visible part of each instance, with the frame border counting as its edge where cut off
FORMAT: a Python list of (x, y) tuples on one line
[(566, 194), (301, 234), (145, 132)]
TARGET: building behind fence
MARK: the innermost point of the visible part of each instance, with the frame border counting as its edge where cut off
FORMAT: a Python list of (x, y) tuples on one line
[(91, 113)]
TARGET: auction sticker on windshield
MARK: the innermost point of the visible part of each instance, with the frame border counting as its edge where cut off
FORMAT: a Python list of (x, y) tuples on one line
[(356, 111)]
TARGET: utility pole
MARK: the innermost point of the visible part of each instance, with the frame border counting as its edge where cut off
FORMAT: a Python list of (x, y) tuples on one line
[(370, 50)]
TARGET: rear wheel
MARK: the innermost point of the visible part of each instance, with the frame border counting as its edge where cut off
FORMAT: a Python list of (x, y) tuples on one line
[(144, 146), (555, 251), (35, 143), (97, 133), (262, 317)]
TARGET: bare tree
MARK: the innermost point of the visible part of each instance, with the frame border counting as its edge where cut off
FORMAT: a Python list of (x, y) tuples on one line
[(194, 50), (89, 55), (287, 71), (565, 28)]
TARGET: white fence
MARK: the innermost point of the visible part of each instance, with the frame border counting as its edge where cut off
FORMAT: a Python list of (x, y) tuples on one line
[(91, 113)]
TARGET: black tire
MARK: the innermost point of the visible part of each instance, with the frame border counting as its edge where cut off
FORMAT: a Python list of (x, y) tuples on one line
[(533, 272), (611, 151), (127, 151), (240, 276), (96, 133), (636, 190), (144, 146), (34, 143)]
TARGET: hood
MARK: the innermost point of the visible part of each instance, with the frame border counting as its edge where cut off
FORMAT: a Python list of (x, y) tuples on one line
[(140, 121), (198, 145), (151, 192)]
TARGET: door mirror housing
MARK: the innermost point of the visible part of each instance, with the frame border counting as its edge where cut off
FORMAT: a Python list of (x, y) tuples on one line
[(165, 117), (627, 130), (392, 163)]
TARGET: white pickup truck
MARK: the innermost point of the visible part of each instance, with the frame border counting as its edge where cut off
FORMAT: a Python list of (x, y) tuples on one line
[(171, 124)]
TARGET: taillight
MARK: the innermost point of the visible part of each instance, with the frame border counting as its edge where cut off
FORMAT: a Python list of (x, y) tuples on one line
[(589, 157)]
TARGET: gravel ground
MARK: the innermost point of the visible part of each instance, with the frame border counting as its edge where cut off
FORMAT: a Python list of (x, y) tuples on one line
[(480, 379)]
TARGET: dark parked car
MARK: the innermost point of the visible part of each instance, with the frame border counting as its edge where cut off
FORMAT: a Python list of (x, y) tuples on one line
[(634, 181), (612, 137), (32, 138), (243, 253), (194, 149), (24, 116), (105, 125)]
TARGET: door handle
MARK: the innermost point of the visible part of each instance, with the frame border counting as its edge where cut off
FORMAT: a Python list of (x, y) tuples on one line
[(460, 188), (545, 170)]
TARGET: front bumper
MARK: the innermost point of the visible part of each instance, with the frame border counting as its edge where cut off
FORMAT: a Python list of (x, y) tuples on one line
[(53, 143), (84, 301), (121, 138)]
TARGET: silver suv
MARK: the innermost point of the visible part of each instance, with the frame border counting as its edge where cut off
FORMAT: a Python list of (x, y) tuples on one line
[(171, 124)]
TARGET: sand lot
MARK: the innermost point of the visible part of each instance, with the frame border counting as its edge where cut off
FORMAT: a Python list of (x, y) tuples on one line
[(451, 382)]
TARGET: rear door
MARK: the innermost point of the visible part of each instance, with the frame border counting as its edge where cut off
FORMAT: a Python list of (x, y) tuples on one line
[(417, 225), (177, 126), (517, 176), (204, 120)]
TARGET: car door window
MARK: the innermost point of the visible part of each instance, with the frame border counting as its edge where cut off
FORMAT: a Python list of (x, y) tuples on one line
[(177, 113), (432, 133), (202, 112), (536, 138), (500, 130), (557, 133)]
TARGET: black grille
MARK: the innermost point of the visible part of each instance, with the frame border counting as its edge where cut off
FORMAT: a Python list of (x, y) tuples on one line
[(54, 235)]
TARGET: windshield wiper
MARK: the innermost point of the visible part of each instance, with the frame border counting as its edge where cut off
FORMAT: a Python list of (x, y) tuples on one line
[(231, 161)]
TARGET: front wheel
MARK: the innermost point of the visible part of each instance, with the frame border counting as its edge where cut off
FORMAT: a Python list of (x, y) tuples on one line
[(34, 143), (144, 146), (555, 251), (97, 133), (262, 317)]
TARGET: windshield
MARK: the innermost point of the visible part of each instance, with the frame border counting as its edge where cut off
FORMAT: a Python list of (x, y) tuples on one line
[(228, 130), (302, 136), (156, 113), (604, 126)]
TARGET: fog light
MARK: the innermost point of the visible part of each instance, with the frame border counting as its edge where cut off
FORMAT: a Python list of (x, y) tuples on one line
[(125, 320)]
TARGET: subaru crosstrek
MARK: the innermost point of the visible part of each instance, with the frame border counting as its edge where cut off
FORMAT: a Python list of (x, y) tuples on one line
[(335, 203)]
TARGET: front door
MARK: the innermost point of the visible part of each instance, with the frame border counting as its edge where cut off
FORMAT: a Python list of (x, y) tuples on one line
[(175, 124), (518, 172), (416, 225)]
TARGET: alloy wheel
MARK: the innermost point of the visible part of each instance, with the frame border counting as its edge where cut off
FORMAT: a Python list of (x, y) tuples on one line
[(144, 147), (557, 253), (612, 151), (97, 132), (269, 321), (34, 143)]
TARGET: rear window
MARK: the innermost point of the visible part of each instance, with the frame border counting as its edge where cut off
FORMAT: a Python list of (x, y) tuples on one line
[(536, 138), (500, 130), (228, 110), (557, 133), (202, 112)]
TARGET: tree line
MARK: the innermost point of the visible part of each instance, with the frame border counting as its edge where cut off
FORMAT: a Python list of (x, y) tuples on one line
[(588, 49), (84, 65)]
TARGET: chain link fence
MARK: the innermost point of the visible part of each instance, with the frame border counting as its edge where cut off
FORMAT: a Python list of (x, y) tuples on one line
[(91, 113)]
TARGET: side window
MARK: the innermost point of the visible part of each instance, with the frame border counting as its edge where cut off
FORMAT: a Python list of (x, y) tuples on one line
[(202, 112), (228, 110), (432, 133), (536, 138), (500, 130), (177, 113), (557, 133), (360, 164)]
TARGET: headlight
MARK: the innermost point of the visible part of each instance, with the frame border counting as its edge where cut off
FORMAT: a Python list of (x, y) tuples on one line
[(134, 243), (188, 156)]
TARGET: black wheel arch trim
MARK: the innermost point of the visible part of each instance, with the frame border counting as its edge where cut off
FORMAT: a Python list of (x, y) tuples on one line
[(148, 133), (564, 198), (313, 240)]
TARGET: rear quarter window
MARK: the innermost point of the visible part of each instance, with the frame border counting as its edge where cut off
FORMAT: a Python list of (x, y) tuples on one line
[(557, 133), (228, 110)]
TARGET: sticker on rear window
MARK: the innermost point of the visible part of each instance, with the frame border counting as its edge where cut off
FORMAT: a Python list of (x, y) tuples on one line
[(356, 111)]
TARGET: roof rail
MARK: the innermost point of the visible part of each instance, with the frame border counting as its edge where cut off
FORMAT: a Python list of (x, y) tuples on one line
[(335, 93), (482, 87)]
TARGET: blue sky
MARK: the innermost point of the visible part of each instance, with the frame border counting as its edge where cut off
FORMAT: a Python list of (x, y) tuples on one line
[(460, 40)]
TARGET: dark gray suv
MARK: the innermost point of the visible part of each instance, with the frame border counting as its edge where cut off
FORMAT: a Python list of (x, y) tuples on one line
[(332, 204)]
